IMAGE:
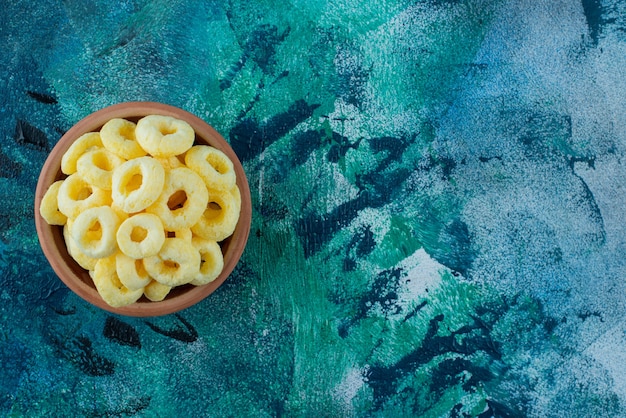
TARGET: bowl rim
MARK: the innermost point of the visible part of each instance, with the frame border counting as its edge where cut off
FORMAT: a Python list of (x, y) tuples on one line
[(53, 244)]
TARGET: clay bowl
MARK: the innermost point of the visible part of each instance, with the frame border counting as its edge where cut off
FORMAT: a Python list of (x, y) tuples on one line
[(75, 277)]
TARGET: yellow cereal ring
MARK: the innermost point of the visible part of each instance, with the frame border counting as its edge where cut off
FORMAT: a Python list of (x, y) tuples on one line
[(109, 285), (94, 230), (76, 195), (96, 167), (131, 272), (137, 183), (119, 212), (156, 291), (118, 136), (220, 217), (141, 235), (182, 201), (83, 260), (237, 198), (49, 206), (215, 168), (164, 136), (177, 263), (79, 147), (184, 233), (211, 260), (170, 162)]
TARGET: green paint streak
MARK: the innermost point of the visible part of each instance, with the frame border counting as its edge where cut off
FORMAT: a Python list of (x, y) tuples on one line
[(419, 58), (397, 244), (312, 293), (394, 337)]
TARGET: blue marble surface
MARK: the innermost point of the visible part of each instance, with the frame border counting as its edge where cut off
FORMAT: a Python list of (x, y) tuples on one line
[(438, 192)]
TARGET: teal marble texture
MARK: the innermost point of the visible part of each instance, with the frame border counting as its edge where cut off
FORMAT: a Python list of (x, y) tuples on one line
[(438, 196)]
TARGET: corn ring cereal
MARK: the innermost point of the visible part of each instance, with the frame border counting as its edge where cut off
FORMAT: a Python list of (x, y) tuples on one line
[(76, 195), (143, 209), (220, 216), (177, 263), (83, 260), (137, 184), (215, 168), (169, 163), (164, 136), (84, 143), (49, 207), (94, 230), (211, 261), (156, 291), (118, 136), (184, 233), (182, 201), (119, 212), (96, 167), (141, 235), (131, 272), (109, 286), (237, 199)]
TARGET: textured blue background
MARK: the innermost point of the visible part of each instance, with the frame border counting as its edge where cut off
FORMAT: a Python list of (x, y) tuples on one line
[(438, 192)]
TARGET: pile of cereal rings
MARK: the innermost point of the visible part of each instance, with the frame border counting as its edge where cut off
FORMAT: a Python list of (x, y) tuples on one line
[(143, 209)]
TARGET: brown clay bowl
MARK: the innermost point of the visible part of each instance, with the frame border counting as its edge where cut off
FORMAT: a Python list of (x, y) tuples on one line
[(75, 277)]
